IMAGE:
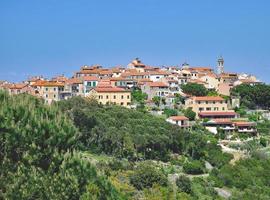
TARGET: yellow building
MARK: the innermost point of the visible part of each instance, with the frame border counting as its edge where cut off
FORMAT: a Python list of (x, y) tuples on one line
[(111, 95), (210, 107)]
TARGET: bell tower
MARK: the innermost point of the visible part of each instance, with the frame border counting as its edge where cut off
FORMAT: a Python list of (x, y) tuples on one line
[(220, 67)]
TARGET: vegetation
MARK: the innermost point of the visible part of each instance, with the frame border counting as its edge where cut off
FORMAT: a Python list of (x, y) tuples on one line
[(38, 155), (184, 184), (190, 114), (170, 112), (253, 96), (146, 175), (78, 149), (194, 89)]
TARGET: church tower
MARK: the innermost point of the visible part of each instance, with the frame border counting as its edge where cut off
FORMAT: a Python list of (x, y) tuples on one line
[(220, 67)]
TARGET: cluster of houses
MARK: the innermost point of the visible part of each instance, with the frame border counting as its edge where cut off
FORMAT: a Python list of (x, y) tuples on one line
[(114, 86)]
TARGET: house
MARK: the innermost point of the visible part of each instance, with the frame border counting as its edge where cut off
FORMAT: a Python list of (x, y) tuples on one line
[(224, 89), (19, 88), (228, 126), (209, 107), (210, 80), (136, 64), (89, 82), (181, 121), (111, 95), (223, 124), (49, 90), (157, 75), (153, 89), (246, 127), (217, 115), (73, 87)]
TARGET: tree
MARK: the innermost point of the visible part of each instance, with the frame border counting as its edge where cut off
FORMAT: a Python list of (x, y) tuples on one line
[(190, 114), (38, 154), (138, 96), (170, 112), (184, 184), (156, 100), (146, 175), (194, 89), (193, 167), (253, 96)]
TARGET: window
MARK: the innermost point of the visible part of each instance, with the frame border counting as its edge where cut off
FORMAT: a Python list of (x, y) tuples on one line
[(206, 102), (127, 96), (54, 89), (94, 84), (122, 103), (46, 96), (107, 97), (208, 109), (46, 89), (122, 96), (114, 96), (89, 84), (201, 109), (223, 108), (199, 102), (54, 96)]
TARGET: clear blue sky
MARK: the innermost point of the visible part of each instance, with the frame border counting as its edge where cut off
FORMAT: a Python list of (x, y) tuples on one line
[(52, 37)]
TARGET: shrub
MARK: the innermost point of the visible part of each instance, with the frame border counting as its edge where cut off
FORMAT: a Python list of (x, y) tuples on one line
[(145, 176), (184, 184), (194, 167)]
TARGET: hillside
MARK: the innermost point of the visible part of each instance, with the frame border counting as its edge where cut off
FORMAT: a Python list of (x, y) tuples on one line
[(78, 149)]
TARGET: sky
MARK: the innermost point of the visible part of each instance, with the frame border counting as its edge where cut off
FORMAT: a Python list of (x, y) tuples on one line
[(55, 37)]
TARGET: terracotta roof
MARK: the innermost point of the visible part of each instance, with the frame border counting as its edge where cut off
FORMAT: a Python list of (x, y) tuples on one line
[(244, 123), (222, 121), (178, 118), (120, 79), (60, 78), (157, 84), (18, 86), (215, 113), (159, 72), (48, 83), (74, 81), (90, 78), (110, 89), (208, 98), (200, 69), (105, 72)]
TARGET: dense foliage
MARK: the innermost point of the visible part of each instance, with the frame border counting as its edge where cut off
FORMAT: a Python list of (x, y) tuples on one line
[(194, 89), (51, 152), (250, 177), (146, 175), (130, 134), (38, 154), (253, 96)]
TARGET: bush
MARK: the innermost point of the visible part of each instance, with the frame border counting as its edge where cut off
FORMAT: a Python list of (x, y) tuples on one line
[(145, 176), (190, 114), (194, 167), (184, 184)]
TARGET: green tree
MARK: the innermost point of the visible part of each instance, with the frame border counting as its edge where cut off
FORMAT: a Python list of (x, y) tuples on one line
[(146, 175), (184, 184), (156, 100), (190, 114), (193, 167), (194, 89)]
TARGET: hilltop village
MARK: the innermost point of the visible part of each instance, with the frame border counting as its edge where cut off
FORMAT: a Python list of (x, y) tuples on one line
[(136, 132), (158, 90)]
